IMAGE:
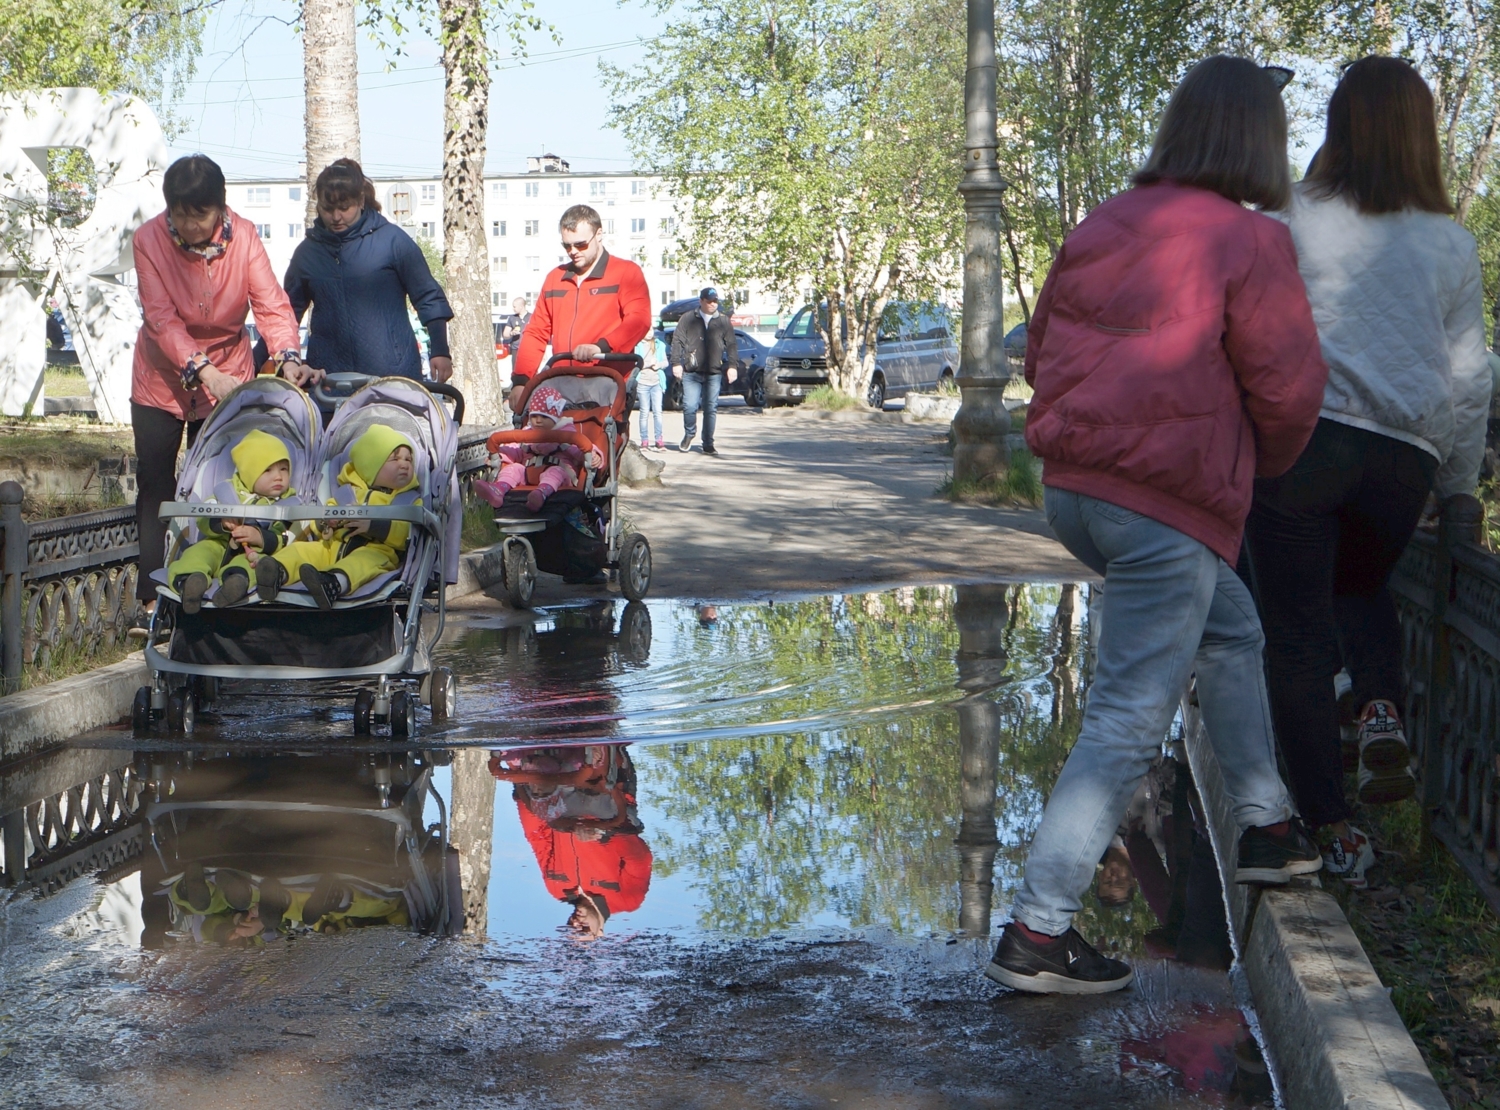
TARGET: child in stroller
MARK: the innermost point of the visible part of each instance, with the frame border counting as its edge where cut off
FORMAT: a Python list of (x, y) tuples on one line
[(262, 476), (380, 471), (555, 465)]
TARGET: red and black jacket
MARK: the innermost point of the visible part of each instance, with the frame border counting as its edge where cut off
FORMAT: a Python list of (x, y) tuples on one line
[(609, 307)]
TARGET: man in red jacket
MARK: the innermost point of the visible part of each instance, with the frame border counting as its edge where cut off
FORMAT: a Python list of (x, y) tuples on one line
[(594, 304)]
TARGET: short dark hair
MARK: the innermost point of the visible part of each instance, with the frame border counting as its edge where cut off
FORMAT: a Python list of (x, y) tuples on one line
[(579, 214), (195, 183), (342, 182), (1381, 147), (1224, 129)]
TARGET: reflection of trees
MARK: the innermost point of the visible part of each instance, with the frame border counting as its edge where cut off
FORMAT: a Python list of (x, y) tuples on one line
[(859, 819)]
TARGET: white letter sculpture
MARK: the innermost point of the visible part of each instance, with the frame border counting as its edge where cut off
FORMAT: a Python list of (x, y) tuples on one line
[(82, 266)]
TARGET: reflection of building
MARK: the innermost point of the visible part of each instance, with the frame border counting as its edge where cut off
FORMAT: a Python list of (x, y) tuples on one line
[(521, 211)]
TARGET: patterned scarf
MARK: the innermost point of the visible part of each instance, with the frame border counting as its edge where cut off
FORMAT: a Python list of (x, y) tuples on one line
[(213, 248)]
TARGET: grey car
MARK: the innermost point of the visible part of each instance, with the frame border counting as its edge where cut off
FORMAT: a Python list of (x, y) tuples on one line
[(914, 351)]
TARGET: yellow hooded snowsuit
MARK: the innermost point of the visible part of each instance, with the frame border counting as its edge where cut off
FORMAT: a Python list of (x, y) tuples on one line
[(253, 455), (360, 557)]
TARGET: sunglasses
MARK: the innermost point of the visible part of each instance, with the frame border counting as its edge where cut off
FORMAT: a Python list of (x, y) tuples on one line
[(1345, 67), (1280, 76), (582, 244)]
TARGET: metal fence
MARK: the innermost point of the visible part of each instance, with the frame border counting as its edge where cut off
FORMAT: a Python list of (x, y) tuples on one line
[(69, 583), (1447, 592)]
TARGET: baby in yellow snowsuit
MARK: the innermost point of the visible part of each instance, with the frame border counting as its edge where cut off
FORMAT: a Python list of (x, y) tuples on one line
[(381, 467), (262, 476)]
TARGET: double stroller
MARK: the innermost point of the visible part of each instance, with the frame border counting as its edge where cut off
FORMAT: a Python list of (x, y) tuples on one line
[(375, 632), (577, 533)]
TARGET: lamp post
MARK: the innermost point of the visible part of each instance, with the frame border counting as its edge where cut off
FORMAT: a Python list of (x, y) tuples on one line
[(982, 424), (982, 615)]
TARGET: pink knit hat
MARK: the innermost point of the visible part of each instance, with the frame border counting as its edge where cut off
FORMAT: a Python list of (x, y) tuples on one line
[(547, 401)]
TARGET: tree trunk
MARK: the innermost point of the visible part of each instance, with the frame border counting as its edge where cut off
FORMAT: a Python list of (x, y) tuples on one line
[(330, 74), (466, 99), (471, 832)]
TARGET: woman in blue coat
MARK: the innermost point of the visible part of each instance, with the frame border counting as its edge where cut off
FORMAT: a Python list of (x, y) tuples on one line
[(357, 270)]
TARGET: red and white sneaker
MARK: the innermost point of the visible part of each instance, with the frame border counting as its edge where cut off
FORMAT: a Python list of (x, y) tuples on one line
[(1349, 858), (1384, 758)]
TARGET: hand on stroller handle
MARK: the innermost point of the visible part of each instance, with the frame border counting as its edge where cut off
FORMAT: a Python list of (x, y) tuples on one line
[(334, 389)]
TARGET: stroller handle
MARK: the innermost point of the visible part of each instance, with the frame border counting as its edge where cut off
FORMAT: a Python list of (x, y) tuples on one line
[(334, 389), (607, 356)]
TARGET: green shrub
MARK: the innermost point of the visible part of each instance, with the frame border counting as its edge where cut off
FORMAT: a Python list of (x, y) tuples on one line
[(1022, 483), (827, 398)]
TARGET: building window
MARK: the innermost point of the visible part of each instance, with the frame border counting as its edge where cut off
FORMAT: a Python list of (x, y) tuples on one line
[(533, 227), (667, 261), (498, 190), (668, 225), (500, 299), (637, 188), (494, 300), (429, 194), (609, 227), (533, 189), (739, 297), (638, 227), (264, 230), (427, 230), (533, 262), (502, 264), (640, 257), (258, 194), (294, 193), (293, 230), (600, 188), (668, 296), (497, 229), (564, 188)]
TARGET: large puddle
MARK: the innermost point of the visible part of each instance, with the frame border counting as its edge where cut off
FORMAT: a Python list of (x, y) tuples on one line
[(742, 854)]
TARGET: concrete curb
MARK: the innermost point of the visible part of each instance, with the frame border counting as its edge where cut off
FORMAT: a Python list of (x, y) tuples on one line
[(1333, 1035), (58, 711)]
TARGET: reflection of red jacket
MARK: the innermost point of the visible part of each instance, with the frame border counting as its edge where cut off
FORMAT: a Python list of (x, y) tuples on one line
[(617, 869)]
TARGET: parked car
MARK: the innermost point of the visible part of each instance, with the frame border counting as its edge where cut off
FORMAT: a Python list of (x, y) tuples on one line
[(914, 351)]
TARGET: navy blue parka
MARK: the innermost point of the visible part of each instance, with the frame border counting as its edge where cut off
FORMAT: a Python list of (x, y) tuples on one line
[(358, 282)]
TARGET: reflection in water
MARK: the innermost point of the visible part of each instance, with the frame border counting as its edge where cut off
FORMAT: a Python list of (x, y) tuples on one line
[(839, 769)]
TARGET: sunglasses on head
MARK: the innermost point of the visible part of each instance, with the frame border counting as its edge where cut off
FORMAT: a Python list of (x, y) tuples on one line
[(1280, 76), (1345, 67)]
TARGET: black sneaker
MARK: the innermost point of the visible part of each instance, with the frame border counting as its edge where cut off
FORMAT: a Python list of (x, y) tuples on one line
[(236, 888), (193, 889), (234, 587), (1069, 965), (324, 586), (329, 896), (709, 449), (687, 441), (270, 576), (1271, 859), (191, 588)]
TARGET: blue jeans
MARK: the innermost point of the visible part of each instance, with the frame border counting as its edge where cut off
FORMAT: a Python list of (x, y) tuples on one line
[(700, 390), (649, 398), (1171, 607)]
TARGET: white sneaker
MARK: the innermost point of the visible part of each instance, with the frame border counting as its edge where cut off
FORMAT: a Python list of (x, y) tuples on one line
[(1350, 859), (1384, 758)]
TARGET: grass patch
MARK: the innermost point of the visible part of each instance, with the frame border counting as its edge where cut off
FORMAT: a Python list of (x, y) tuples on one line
[(479, 525), (1436, 945), (65, 381), (947, 387), (72, 659), (828, 399), (57, 444), (1021, 484)]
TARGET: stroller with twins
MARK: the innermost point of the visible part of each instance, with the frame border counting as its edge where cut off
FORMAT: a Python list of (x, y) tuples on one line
[(576, 533), (375, 631)]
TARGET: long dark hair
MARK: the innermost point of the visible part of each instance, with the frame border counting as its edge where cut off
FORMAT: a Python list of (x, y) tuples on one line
[(1381, 148), (342, 182), (1224, 129)]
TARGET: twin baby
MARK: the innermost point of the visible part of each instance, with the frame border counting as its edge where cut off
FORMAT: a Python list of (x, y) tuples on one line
[(381, 466)]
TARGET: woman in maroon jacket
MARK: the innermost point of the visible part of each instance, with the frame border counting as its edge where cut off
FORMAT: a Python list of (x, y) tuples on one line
[(1174, 357)]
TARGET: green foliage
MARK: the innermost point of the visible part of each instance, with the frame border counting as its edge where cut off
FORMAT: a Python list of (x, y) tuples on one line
[(811, 143), (434, 259), (1022, 483), (830, 399), (144, 47)]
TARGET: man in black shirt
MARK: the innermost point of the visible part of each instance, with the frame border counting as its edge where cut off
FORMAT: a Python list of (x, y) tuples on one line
[(703, 347)]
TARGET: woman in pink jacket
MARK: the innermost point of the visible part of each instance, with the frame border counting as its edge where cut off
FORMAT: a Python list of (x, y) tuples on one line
[(1174, 357), (201, 269)]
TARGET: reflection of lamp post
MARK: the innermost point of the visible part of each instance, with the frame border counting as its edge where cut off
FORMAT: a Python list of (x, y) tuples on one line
[(982, 424), (981, 614), (471, 831)]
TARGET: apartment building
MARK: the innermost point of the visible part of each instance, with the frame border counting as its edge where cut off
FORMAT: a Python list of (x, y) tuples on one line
[(521, 211)]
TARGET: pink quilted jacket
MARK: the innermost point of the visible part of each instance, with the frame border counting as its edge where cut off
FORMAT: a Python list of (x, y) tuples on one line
[(1174, 358)]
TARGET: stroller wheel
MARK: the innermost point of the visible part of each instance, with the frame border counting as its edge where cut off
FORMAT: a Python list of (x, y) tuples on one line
[(520, 574), (443, 693), (364, 705), (182, 712), (635, 567), (403, 714), (635, 631), (140, 711)]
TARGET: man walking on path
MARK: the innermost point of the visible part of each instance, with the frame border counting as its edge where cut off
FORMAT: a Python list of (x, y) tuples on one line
[(593, 304), (703, 347)]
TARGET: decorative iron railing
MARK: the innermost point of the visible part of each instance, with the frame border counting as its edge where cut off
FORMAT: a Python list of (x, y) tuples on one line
[(1447, 592), (90, 826), (74, 577)]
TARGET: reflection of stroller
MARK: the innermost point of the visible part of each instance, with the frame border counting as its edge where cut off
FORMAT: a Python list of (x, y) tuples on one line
[(330, 841), (576, 533), (377, 630)]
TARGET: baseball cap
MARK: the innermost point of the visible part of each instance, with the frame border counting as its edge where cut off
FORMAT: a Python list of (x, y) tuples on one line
[(709, 294)]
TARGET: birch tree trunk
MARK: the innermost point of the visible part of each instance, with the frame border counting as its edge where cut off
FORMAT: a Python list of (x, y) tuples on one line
[(471, 831), (466, 98), (330, 74)]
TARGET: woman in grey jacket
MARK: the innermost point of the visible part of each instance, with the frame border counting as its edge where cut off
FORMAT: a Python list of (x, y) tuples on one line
[(1395, 289)]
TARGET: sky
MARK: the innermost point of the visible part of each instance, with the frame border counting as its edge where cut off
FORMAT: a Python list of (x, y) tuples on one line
[(244, 106)]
